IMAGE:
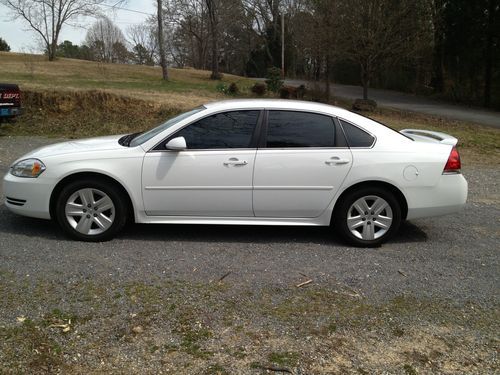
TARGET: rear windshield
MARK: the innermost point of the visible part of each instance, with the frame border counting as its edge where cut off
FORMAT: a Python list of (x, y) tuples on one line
[(387, 126)]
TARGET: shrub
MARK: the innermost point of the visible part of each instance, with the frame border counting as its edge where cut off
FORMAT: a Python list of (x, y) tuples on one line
[(232, 89), (274, 81), (301, 91), (221, 87), (287, 92), (259, 89), (364, 105)]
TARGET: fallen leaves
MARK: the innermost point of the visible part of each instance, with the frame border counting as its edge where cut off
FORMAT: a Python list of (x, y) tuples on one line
[(138, 329)]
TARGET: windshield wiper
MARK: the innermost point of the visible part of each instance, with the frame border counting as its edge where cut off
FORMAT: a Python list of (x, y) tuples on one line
[(126, 139)]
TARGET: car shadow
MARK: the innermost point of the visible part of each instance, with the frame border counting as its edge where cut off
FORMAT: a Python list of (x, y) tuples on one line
[(15, 224)]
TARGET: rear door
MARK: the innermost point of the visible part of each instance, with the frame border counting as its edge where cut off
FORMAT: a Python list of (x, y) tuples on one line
[(301, 165)]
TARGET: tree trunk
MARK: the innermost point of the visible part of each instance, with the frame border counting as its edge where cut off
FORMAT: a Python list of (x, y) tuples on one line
[(212, 12), (327, 76), (161, 44), (437, 79), (365, 81), (488, 56), (51, 52)]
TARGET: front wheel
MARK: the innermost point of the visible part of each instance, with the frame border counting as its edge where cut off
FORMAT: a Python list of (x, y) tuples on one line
[(368, 216), (90, 210)]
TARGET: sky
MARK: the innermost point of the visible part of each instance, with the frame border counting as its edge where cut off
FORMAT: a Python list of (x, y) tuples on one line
[(22, 39)]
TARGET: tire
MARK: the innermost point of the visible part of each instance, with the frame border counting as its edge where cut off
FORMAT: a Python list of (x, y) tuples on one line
[(80, 200), (367, 217)]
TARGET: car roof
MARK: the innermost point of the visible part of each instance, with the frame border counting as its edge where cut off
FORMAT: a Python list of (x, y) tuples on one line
[(8, 86), (296, 105)]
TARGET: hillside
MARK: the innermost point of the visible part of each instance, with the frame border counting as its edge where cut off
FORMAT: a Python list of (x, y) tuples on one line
[(186, 88), (78, 98)]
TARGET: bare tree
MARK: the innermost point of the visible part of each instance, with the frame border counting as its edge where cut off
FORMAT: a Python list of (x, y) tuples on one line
[(161, 44), (143, 38), (378, 32), (106, 41), (188, 20), (213, 10), (47, 17)]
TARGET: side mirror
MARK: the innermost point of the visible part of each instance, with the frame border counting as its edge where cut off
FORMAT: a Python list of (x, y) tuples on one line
[(176, 144)]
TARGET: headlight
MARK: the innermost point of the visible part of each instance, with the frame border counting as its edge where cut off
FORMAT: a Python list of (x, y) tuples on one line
[(28, 168)]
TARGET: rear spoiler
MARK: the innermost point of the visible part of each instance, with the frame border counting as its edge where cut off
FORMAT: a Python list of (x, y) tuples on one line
[(430, 136)]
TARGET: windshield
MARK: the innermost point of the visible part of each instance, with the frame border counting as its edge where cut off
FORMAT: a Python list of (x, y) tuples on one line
[(146, 136)]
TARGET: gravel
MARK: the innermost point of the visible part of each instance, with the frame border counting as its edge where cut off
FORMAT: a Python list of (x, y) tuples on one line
[(452, 258)]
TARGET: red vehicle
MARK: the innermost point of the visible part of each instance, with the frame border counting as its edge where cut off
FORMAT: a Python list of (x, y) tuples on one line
[(10, 101)]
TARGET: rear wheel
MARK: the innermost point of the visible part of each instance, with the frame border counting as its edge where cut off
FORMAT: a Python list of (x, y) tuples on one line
[(368, 216), (91, 210)]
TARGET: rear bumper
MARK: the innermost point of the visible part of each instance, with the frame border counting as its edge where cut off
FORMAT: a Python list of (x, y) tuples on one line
[(447, 197), (28, 196)]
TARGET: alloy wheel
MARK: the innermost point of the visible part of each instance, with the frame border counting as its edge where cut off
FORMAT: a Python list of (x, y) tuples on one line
[(369, 217), (90, 211)]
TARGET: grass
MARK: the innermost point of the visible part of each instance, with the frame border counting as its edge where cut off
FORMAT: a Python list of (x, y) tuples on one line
[(76, 98)]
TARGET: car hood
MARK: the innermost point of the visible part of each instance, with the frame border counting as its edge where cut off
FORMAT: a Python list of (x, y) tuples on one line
[(77, 146)]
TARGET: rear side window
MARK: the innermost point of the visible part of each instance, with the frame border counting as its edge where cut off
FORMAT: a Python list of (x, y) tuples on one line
[(355, 136), (299, 129), (222, 130)]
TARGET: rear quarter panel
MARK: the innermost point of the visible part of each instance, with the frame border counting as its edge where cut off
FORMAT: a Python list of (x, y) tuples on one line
[(391, 155)]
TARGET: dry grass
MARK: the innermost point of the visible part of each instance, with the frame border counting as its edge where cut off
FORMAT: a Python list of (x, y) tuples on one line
[(128, 80)]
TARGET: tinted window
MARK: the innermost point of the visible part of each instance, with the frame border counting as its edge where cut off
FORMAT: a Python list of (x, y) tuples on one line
[(355, 136), (223, 130), (140, 139), (299, 129)]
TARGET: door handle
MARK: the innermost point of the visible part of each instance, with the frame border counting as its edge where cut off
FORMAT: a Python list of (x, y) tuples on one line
[(336, 161), (235, 161)]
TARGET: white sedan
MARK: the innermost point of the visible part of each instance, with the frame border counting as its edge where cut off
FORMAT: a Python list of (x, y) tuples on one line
[(249, 162)]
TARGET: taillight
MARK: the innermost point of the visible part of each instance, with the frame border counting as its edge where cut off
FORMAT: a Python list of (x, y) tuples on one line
[(453, 164)]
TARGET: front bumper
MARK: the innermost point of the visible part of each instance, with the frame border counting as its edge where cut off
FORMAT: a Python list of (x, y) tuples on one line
[(447, 197), (28, 196)]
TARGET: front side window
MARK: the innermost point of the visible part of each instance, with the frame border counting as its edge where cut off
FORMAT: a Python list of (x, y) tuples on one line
[(299, 129), (146, 136), (222, 130)]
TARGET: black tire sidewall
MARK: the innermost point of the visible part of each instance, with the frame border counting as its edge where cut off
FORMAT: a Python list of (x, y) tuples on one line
[(107, 188), (340, 215)]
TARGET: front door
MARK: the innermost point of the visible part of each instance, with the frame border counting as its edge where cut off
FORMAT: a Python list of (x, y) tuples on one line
[(212, 177)]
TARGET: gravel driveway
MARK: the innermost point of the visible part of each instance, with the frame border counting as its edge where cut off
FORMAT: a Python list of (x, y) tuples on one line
[(453, 260)]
